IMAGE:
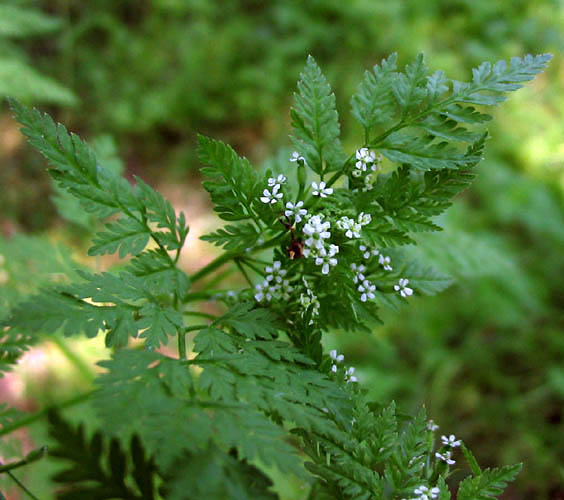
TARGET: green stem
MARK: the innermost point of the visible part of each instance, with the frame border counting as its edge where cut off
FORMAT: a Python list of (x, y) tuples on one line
[(30, 458), (194, 328), (22, 486), (243, 272), (23, 422), (212, 266), (182, 344)]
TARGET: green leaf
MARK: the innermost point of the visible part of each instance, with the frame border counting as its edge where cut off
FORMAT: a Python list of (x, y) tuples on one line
[(252, 323), (374, 103), (422, 154), (155, 270), (159, 323), (23, 22), (489, 484), (230, 180), (95, 472), (315, 121), (236, 238), (410, 88), (127, 234)]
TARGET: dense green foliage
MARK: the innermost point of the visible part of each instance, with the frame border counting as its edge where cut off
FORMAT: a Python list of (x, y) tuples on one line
[(485, 352), (259, 392)]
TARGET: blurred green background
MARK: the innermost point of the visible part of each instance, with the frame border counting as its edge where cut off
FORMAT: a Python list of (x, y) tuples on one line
[(140, 78)]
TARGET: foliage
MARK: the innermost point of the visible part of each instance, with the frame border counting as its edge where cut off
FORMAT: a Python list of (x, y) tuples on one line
[(18, 78), (258, 391)]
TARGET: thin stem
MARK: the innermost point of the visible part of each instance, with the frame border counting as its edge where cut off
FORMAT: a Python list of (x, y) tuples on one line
[(30, 458), (212, 266), (243, 272), (182, 345), (251, 265), (21, 485), (23, 422), (206, 295), (218, 278), (194, 328)]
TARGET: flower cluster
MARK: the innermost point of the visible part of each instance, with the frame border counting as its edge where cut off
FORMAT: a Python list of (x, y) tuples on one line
[(338, 358), (351, 227), (275, 286), (366, 159), (320, 189), (317, 231), (272, 196), (445, 457), (326, 258), (368, 252), (269, 197), (309, 300), (448, 442), (365, 287), (425, 493), (385, 262), (402, 288), (451, 441), (295, 211)]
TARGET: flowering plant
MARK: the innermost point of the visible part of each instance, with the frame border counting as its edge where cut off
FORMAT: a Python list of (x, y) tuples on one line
[(318, 241)]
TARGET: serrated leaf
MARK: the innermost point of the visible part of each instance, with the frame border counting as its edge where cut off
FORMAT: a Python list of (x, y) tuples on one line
[(374, 102), (230, 180), (252, 323), (128, 235), (236, 238), (315, 121), (489, 484), (159, 323)]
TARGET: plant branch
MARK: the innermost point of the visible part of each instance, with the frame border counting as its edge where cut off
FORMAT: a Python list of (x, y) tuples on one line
[(34, 417)]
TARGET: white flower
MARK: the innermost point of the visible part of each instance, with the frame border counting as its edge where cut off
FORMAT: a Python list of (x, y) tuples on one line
[(446, 457), (296, 211), (384, 261), (402, 288), (367, 290), (317, 231), (358, 270), (365, 157), (351, 228), (349, 377), (326, 258), (273, 197), (274, 286), (450, 441), (425, 493), (275, 272), (367, 252), (297, 158), (320, 189), (432, 426), (364, 219), (335, 356), (281, 179), (334, 368)]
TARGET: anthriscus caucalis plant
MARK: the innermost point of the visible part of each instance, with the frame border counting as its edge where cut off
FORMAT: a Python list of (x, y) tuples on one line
[(319, 242)]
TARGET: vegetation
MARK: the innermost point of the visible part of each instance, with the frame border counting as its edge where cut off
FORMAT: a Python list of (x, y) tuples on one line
[(143, 73)]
